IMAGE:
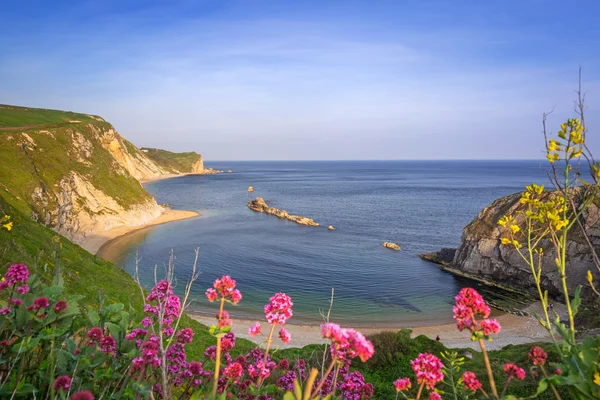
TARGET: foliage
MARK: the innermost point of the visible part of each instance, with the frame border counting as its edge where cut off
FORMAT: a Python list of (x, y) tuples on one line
[(175, 162)]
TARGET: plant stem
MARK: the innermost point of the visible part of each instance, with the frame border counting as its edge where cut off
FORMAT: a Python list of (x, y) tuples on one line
[(218, 354), (269, 341), (551, 385), (420, 390), (488, 368), (316, 391)]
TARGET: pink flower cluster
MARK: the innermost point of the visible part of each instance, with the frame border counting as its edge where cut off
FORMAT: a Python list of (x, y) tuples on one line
[(62, 383), (402, 384), (162, 303), (17, 275), (107, 343), (469, 304), (470, 381), (279, 309), (254, 329), (224, 288), (537, 355), (428, 369), (512, 371), (347, 342)]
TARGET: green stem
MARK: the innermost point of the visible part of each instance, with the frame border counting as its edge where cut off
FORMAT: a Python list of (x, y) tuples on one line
[(488, 368), (218, 354)]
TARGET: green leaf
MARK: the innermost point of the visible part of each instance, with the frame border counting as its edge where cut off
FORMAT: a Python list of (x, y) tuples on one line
[(115, 330), (289, 396), (576, 302), (93, 317)]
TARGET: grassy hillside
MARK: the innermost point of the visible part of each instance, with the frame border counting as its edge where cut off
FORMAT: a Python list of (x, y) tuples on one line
[(175, 162), (14, 116)]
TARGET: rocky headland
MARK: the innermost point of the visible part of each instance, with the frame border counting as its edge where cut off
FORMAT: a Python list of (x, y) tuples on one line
[(259, 205), (481, 256)]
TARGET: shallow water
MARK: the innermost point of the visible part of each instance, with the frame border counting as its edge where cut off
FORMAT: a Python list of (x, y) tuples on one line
[(421, 205)]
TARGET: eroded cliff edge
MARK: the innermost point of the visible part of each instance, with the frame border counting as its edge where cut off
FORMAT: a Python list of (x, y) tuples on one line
[(481, 255), (75, 174)]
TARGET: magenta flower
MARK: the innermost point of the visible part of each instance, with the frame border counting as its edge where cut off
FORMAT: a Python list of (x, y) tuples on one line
[(83, 395), (537, 355), (512, 371), (60, 306), (434, 396), (259, 370), (15, 301), (228, 342), (62, 383), (108, 345), (402, 384), (224, 288), (211, 294), (428, 369), (469, 303), (39, 303), (558, 371), (279, 309), (185, 335), (160, 291), (17, 273), (195, 368), (470, 381), (4, 310), (284, 335), (490, 326), (23, 289), (233, 371), (347, 342), (225, 320), (95, 335), (254, 329)]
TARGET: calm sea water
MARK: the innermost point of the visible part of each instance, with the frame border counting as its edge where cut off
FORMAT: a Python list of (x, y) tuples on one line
[(421, 205)]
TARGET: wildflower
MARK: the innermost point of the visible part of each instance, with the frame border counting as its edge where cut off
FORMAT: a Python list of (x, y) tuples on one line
[(279, 309), (60, 305), (39, 303), (558, 371), (428, 369), (283, 364), (185, 335), (284, 335), (537, 355), (150, 351), (195, 368), (225, 288), (468, 304), (95, 335), (434, 396), (490, 326), (224, 320), (108, 345), (258, 370), (402, 384), (83, 395), (211, 294), (160, 291), (347, 342), (228, 341), (233, 371), (4, 310), (470, 381), (254, 329), (23, 289), (62, 383), (512, 371), (17, 273), (15, 301), (136, 333)]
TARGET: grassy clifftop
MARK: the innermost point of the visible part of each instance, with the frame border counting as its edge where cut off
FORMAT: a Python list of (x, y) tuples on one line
[(14, 116), (175, 162)]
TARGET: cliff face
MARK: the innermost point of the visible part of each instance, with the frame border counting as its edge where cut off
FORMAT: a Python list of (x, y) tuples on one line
[(480, 252), (75, 173)]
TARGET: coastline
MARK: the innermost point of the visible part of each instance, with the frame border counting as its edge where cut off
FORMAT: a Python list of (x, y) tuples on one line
[(515, 330), (98, 241), (160, 178)]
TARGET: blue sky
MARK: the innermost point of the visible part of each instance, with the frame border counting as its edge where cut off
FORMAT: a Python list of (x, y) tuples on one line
[(280, 79)]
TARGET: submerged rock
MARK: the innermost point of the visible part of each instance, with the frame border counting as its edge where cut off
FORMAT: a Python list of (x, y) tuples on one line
[(250, 189), (259, 205), (331, 228), (391, 245)]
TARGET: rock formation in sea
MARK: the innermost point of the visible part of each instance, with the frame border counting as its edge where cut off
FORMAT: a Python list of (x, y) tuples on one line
[(259, 205), (391, 245), (481, 255), (331, 228)]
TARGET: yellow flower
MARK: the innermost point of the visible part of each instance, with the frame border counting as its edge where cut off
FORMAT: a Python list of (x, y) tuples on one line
[(515, 228), (553, 145), (8, 226), (597, 378), (590, 278), (506, 241), (517, 244), (552, 157)]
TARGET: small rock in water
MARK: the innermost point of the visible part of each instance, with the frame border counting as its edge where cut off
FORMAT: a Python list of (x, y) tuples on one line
[(251, 189), (330, 227), (391, 245)]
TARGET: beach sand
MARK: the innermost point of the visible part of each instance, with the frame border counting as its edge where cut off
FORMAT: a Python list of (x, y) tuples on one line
[(95, 242), (515, 330)]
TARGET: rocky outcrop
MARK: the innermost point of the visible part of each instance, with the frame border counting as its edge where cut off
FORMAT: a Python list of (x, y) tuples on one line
[(481, 254), (391, 245), (331, 228), (259, 205)]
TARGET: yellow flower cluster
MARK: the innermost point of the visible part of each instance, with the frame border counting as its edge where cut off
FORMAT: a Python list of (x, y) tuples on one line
[(6, 223), (571, 132)]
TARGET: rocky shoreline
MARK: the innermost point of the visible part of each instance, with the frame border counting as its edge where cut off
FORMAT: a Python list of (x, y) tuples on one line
[(259, 205)]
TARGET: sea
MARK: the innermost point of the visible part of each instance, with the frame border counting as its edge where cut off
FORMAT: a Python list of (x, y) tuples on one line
[(420, 205)]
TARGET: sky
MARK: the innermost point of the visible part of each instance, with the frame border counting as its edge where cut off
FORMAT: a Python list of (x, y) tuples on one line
[(310, 80)]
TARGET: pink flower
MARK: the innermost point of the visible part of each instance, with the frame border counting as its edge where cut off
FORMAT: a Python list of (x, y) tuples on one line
[(195, 368), (95, 335), (236, 296), (469, 303), (39, 303), (108, 345), (512, 371), (23, 289), (228, 342), (4, 310), (279, 309), (428, 369), (537, 355), (434, 396), (162, 290), (233, 371), (62, 383), (225, 320), (470, 381), (347, 342), (185, 335), (258, 370), (17, 273), (402, 384), (558, 371), (15, 301), (60, 305), (284, 335), (254, 329), (211, 294), (490, 326), (83, 395)]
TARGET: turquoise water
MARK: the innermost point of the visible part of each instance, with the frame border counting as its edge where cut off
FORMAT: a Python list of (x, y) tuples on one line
[(421, 205)]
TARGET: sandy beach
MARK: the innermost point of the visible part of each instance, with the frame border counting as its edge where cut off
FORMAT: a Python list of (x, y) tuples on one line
[(160, 178), (95, 242), (515, 330)]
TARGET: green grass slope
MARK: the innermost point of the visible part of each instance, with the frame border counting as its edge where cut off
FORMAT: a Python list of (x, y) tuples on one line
[(14, 116), (175, 162)]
